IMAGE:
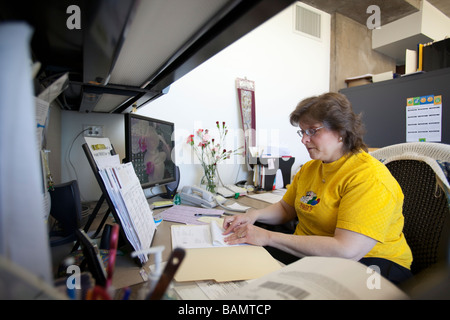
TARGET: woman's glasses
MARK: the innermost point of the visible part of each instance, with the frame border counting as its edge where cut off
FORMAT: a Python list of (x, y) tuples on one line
[(308, 132)]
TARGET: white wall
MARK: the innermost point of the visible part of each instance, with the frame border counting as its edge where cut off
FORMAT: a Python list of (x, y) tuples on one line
[(435, 24), (286, 68), (74, 164)]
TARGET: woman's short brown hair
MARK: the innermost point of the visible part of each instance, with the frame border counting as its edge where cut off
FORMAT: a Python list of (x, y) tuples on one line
[(335, 112)]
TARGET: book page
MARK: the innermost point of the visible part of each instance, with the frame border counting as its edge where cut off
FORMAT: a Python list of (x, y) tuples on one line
[(320, 278)]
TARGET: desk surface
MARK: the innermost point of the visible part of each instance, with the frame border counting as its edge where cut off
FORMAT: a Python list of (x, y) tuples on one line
[(128, 273)]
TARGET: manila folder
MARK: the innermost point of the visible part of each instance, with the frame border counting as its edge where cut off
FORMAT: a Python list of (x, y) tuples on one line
[(221, 264)]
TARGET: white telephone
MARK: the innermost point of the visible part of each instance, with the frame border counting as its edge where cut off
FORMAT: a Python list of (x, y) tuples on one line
[(197, 196)]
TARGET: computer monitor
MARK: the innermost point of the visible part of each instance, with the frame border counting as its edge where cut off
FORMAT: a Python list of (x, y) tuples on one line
[(149, 146)]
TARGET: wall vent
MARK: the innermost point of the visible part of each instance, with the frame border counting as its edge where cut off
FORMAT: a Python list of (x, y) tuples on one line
[(307, 22)]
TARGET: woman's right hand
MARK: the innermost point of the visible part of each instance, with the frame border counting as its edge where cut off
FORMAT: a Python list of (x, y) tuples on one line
[(230, 223)]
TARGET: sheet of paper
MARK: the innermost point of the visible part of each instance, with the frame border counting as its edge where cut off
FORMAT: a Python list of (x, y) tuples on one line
[(237, 206), (215, 290), (197, 236), (208, 220), (212, 290), (186, 214), (279, 184), (41, 119), (51, 92), (189, 291), (271, 197), (100, 149), (136, 204), (411, 61)]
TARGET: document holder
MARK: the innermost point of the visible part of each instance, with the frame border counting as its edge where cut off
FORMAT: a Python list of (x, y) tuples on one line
[(111, 209)]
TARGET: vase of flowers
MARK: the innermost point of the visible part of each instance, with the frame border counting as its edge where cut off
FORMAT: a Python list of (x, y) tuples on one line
[(210, 152)]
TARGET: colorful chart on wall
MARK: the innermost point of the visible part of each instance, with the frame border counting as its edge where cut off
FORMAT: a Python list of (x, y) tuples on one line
[(424, 118)]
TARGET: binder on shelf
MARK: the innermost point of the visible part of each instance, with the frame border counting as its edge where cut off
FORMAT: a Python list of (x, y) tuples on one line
[(124, 195)]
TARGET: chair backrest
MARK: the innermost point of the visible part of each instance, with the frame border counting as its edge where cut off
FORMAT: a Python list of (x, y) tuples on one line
[(66, 210), (426, 206), (426, 212)]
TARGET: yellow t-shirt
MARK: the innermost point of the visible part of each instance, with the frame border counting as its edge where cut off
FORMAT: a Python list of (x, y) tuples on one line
[(356, 193)]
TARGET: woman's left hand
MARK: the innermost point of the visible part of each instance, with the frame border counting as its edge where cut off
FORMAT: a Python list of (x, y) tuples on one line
[(250, 234)]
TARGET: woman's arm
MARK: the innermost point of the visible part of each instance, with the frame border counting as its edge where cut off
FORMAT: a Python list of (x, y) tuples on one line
[(344, 243)]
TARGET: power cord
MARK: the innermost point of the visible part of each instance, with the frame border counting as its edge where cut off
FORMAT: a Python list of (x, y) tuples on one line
[(68, 155)]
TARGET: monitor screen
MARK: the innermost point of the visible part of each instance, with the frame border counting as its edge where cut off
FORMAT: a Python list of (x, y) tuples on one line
[(149, 145)]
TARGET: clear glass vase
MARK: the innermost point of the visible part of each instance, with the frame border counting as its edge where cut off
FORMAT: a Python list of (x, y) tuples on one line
[(209, 179)]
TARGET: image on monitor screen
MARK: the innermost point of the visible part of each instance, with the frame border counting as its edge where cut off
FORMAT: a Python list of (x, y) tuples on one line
[(148, 146)]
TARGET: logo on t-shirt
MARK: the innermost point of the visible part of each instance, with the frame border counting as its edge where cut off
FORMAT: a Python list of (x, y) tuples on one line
[(310, 198)]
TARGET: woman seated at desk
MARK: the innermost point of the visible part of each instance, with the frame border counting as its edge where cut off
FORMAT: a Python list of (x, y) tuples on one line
[(347, 202)]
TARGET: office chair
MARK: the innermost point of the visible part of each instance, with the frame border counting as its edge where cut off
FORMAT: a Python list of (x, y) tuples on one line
[(66, 210), (422, 171)]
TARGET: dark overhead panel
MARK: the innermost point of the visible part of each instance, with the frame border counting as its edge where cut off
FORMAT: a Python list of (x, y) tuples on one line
[(123, 53)]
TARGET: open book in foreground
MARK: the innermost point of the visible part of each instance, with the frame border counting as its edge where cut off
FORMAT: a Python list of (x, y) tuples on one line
[(320, 278)]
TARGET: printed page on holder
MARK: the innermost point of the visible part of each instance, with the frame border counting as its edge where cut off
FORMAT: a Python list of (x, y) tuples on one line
[(100, 149), (128, 198), (126, 194)]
